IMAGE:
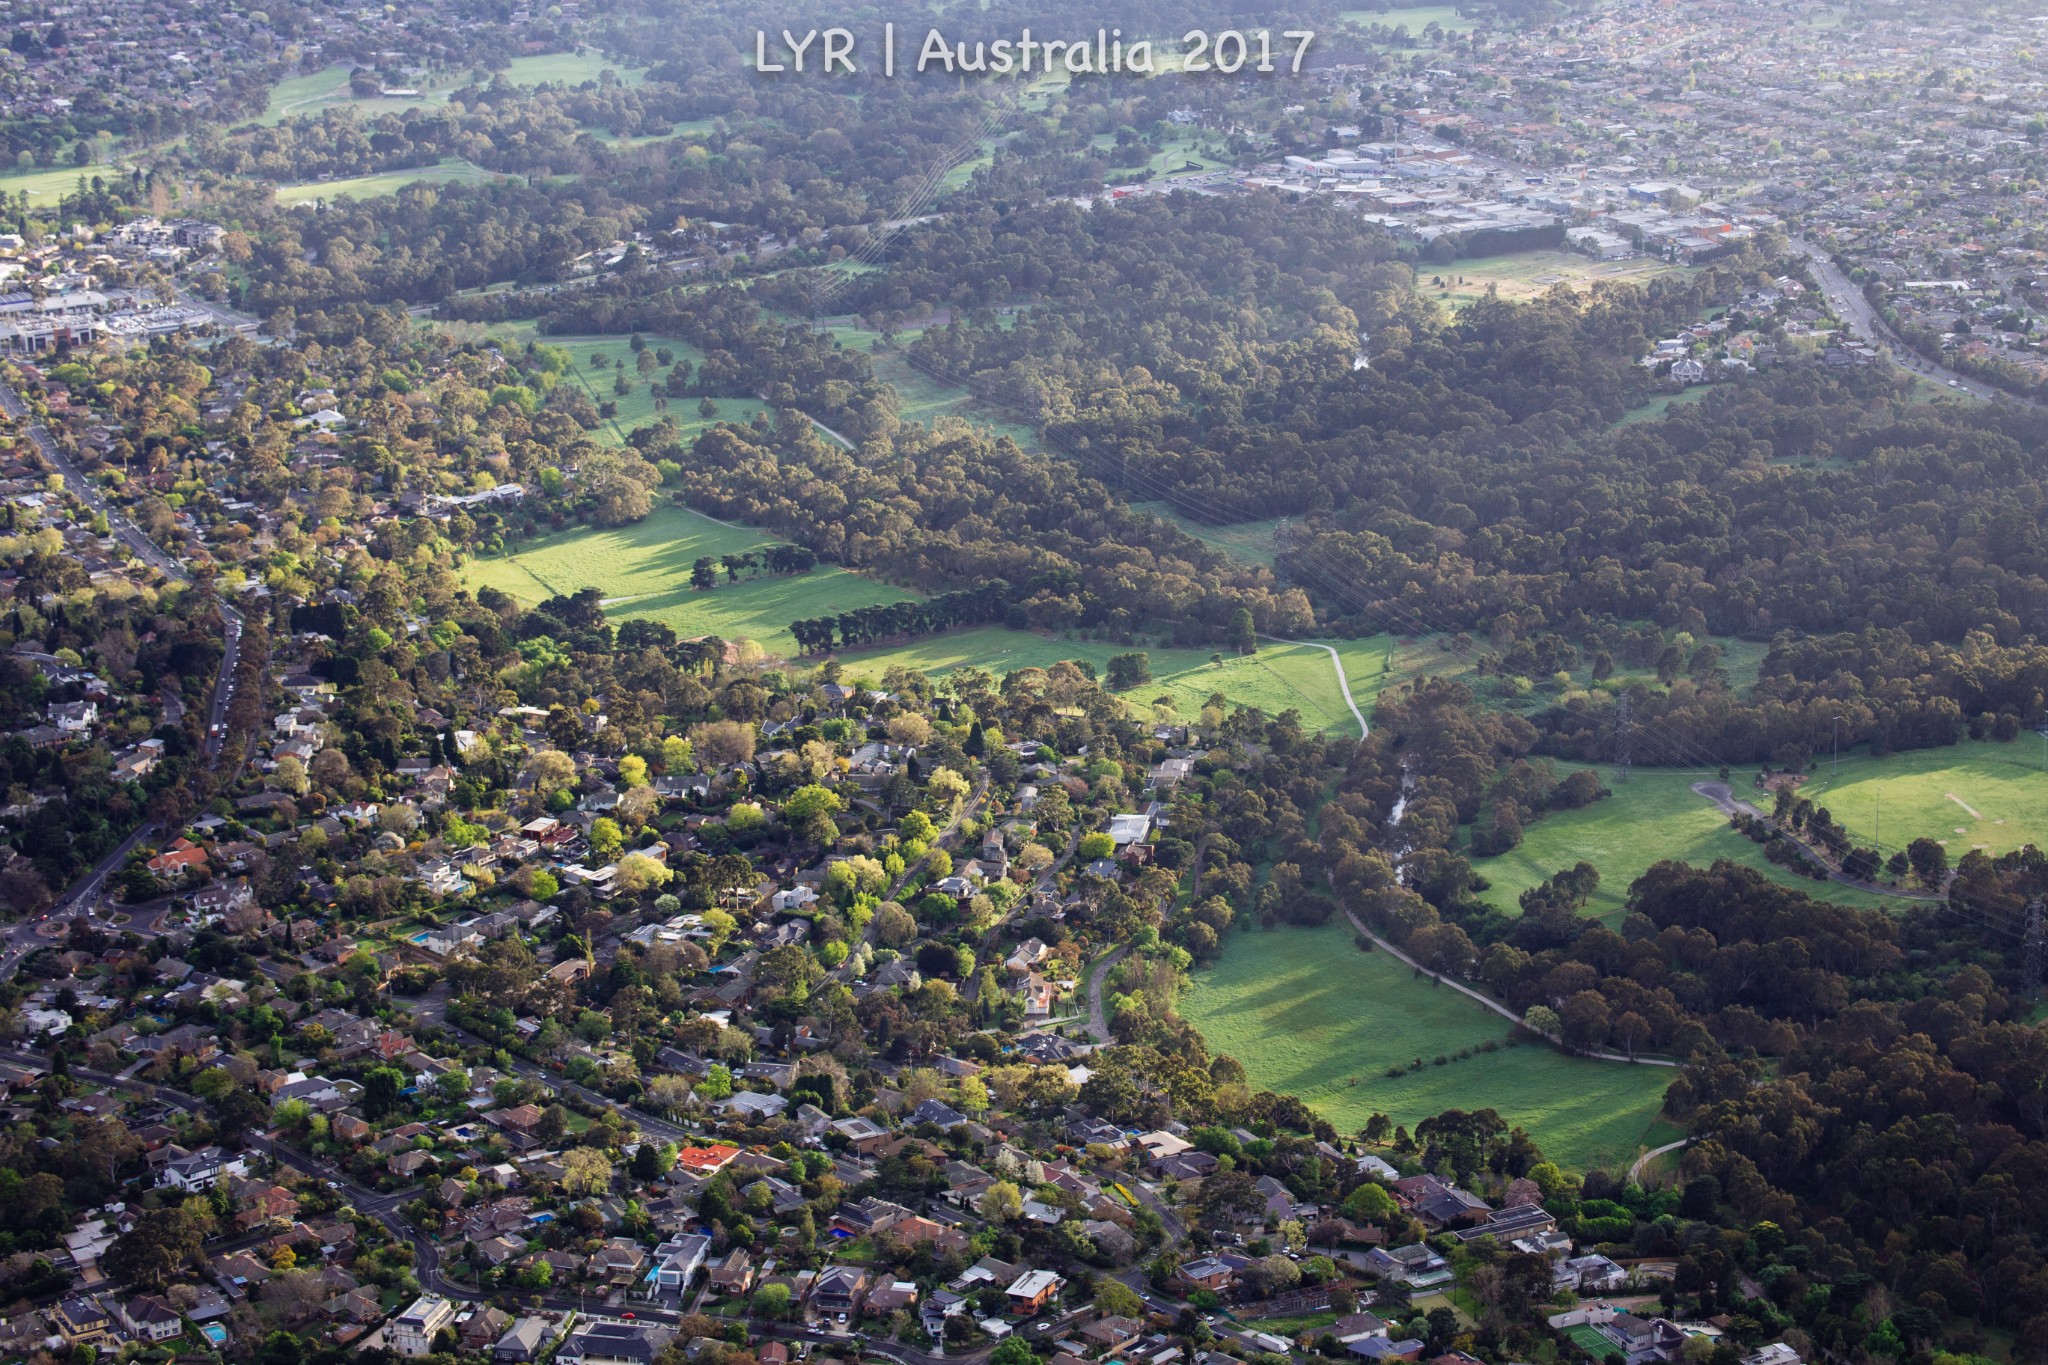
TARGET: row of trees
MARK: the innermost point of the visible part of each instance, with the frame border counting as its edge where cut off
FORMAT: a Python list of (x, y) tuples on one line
[(901, 620)]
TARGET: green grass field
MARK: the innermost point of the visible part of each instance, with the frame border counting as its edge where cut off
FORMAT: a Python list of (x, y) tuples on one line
[(1525, 275), (1414, 18), (1652, 817), (920, 397), (643, 570), (328, 87), (1978, 794), (1310, 1015), (1248, 542), (387, 182), (1438, 656), (1663, 403), (1172, 158), (1276, 678), (568, 68), (635, 409), (47, 187)]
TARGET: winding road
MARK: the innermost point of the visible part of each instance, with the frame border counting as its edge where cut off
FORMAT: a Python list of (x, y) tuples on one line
[(1635, 1169), (1343, 683)]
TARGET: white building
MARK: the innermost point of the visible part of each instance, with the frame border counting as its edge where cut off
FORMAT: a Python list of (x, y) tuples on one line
[(412, 1332)]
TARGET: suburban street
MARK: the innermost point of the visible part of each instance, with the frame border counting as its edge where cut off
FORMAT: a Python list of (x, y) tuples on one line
[(19, 938), (1851, 306), (386, 1209)]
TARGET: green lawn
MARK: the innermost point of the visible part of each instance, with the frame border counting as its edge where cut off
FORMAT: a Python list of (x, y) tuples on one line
[(1663, 403), (387, 182), (1414, 18), (1438, 656), (568, 68), (1651, 817), (920, 397), (1249, 542), (1977, 794), (643, 570), (47, 187), (1273, 680), (328, 87), (924, 399), (636, 409), (1523, 275), (1310, 1015), (1172, 158), (1291, 1327)]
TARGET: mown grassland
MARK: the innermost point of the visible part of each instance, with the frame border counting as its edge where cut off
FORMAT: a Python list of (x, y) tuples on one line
[(1977, 794), (643, 570), (1651, 817), (1275, 679), (1310, 1015)]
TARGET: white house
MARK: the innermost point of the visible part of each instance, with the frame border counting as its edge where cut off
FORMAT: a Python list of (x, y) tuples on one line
[(677, 1259), (796, 898), (197, 1172), (412, 1332)]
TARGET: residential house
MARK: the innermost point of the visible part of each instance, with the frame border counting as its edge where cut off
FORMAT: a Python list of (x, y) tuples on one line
[(862, 1134), (868, 1216), (751, 1106), (1032, 1291), (198, 1171), (614, 1343), (839, 1289), (1111, 1334), (678, 1259), (480, 1328), (1596, 1274), (82, 1322), (1207, 1272), (734, 1275), (412, 1332), (1777, 1353), (148, 1316), (1643, 1339), (702, 1163), (1357, 1327), (524, 1341), (936, 1112), (1522, 1220), (1415, 1266), (618, 1261)]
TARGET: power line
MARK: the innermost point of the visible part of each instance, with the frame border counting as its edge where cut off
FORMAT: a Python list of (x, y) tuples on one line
[(1624, 719), (1659, 740)]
